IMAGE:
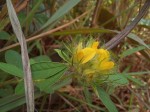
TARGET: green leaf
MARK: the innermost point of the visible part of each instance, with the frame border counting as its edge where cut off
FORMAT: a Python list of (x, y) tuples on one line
[(46, 83), (10, 102), (117, 80), (14, 58), (61, 12), (44, 70), (58, 85), (40, 19), (4, 35), (41, 58), (134, 80), (6, 91), (104, 97), (62, 55), (145, 23), (82, 31), (88, 95), (137, 39), (11, 69), (138, 73), (4, 23), (20, 88), (21, 16), (131, 51), (30, 16)]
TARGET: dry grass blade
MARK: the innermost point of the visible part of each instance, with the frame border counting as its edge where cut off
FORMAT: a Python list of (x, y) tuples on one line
[(29, 90), (116, 40)]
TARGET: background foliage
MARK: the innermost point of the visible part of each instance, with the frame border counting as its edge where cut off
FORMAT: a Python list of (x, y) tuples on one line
[(46, 23)]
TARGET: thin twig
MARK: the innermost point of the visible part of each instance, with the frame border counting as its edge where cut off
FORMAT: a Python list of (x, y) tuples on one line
[(46, 33), (68, 102), (96, 12)]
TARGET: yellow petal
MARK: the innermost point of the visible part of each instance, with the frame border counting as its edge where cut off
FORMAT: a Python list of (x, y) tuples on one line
[(89, 53), (103, 55), (78, 56), (95, 45), (106, 65), (84, 55)]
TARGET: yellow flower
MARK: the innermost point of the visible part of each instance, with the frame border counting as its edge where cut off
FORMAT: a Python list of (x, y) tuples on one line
[(102, 63), (95, 45), (96, 61), (106, 65), (103, 55), (84, 55)]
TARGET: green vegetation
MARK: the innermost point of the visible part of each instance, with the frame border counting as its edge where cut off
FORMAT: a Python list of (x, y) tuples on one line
[(83, 55)]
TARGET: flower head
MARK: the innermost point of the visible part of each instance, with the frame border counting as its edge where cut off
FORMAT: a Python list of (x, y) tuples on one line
[(91, 60), (83, 55)]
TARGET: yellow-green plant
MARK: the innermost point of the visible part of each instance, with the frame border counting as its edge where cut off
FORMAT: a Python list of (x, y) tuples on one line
[(88, 61), (91, 61), (91, 66)]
